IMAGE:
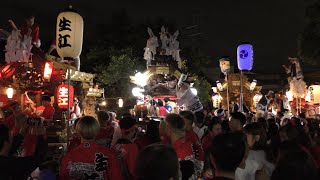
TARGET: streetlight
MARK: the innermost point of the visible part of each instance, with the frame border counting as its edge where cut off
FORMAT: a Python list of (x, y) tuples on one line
[(120, 102)]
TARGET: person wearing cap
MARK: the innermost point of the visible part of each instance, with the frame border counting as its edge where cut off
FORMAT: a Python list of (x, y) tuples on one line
[(189, 118), (237, 121), (125, 149)]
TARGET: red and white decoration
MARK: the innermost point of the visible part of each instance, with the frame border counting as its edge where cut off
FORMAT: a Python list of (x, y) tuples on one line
[(62, 96)]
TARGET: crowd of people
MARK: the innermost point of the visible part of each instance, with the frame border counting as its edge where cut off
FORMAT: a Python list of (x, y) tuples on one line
[(181, 146)]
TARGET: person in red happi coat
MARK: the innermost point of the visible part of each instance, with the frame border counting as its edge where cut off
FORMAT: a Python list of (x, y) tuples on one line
[(105, 134), (89, 160), (126, 150), (15, 109), (214, 128), (175, 130), (189, 118)]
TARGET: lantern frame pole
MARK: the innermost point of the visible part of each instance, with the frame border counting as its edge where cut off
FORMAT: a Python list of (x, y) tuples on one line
[(228, 106), (241, 92), (68, 112), (297, 107)]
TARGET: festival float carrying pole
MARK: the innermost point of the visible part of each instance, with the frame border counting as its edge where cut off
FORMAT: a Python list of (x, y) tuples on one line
[(241, 92), (245, 62), (228, 103), (69, 35), (68, 112)]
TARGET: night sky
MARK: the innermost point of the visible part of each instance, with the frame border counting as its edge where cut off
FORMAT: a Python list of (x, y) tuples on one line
[(272, 26)]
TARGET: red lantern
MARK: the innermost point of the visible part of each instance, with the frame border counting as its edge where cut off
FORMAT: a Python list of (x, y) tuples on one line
[(7, 71), (47, 71), (62, 96)]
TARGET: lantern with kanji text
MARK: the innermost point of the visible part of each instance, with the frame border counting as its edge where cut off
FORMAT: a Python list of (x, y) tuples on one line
[(69, 34), (62, 96)]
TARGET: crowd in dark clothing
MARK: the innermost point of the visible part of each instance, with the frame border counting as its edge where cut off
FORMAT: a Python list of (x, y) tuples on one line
[(182, 146)]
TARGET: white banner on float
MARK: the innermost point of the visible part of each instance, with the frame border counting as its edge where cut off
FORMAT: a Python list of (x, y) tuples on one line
[(191, 101)]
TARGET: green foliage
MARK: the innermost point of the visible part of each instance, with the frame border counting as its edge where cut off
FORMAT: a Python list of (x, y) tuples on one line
[(119, 51), (115, 74), (195, 59), (203, 87), (309, 40)]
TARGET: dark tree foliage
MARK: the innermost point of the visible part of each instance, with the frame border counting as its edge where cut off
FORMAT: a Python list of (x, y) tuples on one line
[(309, 40), (118, 54)]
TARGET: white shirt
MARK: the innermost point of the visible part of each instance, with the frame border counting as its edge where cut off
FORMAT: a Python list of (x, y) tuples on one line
[(256, 160), (116, 134), (199, 131)]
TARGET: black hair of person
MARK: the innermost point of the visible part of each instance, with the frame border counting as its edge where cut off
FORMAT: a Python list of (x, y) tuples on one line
[(228, 151)]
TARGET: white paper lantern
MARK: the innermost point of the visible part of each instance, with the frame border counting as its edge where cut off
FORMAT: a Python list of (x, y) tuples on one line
[(10, 92), (314, 93), (216, 100), (69, 34), (120, 102)]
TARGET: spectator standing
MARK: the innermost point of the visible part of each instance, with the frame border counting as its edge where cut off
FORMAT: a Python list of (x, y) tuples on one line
[(89, 159), (12, 167), (157, 162), (237, 121), (189, 118), (106, 132), (125, 149), (228, 153)]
